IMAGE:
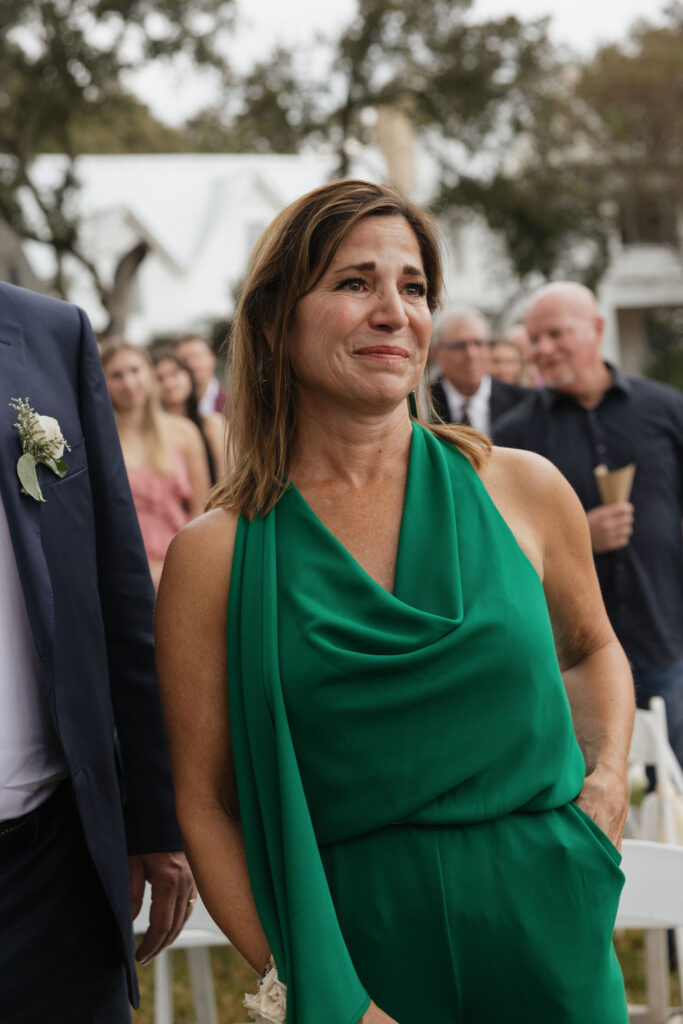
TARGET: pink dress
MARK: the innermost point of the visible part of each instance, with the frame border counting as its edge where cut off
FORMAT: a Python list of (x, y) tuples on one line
[(162, 503)]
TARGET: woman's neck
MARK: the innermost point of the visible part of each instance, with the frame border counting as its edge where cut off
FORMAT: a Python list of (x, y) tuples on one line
[(131, 421), (176, 408), (356, 449)]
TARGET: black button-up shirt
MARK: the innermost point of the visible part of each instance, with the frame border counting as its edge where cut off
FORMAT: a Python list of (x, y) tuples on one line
[(639, 421)]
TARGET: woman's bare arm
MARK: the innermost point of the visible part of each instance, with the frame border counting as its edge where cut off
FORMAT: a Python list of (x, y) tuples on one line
[(190, 631), (595, 669), (188, 439), (215, 431), (544, 512)]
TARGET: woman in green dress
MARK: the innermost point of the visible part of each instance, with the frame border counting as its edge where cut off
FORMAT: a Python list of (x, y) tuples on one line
[(411, 791)]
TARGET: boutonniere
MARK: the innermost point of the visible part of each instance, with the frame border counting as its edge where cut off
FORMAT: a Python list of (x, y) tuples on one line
[(41, 441)]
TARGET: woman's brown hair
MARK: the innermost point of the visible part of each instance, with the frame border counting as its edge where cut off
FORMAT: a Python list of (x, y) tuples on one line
[(289, 259)]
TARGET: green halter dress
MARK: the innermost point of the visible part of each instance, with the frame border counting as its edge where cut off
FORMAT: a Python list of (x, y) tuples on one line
[(406, 769)]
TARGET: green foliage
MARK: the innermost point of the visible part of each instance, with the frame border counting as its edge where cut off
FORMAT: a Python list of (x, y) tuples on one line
[(62, 68), (119, 124), (554, 155), (271, 109), (633, 94), (664, 331), (488, 101)]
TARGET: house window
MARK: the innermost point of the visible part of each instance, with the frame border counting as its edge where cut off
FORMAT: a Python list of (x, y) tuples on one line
[(648, 216)]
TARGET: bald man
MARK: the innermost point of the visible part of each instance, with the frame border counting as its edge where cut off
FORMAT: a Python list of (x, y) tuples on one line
[(590, 413), (465, 392)]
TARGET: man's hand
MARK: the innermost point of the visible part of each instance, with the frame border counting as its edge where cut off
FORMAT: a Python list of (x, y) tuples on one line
[(610, 526), (172, 888), (604, 798)]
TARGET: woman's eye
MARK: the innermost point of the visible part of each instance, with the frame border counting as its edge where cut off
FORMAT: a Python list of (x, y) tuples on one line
[(351, 284), (417, 288)]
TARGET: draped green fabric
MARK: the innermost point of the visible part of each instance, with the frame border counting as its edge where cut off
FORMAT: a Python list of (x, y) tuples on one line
[(352, 708)]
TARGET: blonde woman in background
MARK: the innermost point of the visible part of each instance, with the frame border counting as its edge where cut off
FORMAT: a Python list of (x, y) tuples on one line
[(164, 454)]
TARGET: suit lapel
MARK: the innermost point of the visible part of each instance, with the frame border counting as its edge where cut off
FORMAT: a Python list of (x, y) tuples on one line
[(494, 402), (23, 513)]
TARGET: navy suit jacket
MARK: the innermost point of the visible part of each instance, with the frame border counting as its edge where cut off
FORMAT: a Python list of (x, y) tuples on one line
[(88, 593), (503, 397)]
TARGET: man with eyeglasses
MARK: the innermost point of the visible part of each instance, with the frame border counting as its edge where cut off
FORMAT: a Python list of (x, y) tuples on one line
[(465, 392)]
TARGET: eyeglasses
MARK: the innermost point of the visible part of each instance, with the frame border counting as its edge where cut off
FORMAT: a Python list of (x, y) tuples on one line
[(461, 346)]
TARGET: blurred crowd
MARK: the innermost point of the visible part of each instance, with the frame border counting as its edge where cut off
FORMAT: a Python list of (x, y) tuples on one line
[(170, 413)]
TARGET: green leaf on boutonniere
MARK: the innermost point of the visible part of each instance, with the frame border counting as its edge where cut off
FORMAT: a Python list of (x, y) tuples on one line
[(57, 466), (26, 471)]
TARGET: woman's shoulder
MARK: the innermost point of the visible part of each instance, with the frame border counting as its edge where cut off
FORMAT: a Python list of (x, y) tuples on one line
[(182, 431), (201, 552), (214, 425), (527, 472), (532, 484), (215, 420)]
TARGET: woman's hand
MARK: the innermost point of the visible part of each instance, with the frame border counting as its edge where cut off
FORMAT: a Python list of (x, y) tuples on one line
[(373, 1015), (604, 798)]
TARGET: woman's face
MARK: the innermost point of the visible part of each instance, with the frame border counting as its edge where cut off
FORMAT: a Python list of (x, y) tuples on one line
[(129, 379), (361, 335), (175, 383)]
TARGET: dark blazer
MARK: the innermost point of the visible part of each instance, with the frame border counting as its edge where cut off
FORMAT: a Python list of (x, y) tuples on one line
[(503, 398), (88, 593)]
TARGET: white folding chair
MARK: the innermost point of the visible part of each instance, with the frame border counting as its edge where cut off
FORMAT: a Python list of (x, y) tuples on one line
[(197, 937), (659, 816), (658, 819), (652, 898)]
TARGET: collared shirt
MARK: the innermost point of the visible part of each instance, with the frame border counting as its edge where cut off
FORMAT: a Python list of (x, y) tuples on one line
[(207, 403), (31, 762), (478, 404), (640, 421)]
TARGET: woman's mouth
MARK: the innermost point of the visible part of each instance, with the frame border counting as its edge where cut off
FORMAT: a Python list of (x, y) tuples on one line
[(384, 352)]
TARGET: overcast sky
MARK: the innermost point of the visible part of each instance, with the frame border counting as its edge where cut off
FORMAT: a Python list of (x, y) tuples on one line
[(579, 24)]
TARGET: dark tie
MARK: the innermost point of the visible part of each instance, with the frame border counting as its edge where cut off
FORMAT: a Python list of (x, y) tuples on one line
[(464, 415)]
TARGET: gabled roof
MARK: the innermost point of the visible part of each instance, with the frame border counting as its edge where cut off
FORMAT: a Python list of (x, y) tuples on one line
[(175, 198)]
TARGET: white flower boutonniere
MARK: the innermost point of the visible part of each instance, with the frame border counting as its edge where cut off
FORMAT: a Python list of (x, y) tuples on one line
[(41, 441)]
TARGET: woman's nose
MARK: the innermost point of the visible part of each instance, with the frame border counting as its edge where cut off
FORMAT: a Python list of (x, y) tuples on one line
[(389, 311)]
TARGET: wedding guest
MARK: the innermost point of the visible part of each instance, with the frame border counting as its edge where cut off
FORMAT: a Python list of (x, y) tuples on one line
[(400, 781), (518, 335), (505, 360), (86, 805), (465, 391), (591, 413), (201, 358), (177, 391), (164, 454)]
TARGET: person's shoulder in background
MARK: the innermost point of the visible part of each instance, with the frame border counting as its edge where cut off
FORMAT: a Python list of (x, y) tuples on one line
[(520, 424), (658, 390), (42, 318), (505, 396), (439, 401)]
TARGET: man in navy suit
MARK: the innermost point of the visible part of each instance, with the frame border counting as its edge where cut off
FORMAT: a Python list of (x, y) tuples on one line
[(465, 392), (86, 805)]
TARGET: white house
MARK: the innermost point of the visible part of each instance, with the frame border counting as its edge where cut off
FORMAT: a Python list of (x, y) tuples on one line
[(200, 215)]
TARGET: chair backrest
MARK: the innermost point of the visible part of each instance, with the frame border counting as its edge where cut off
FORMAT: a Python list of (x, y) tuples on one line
[(200, 930), (652, 896), (650, 741), (660, 816)]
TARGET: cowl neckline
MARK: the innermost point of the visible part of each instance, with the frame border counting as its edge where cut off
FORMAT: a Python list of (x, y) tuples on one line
[(442, 600)]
